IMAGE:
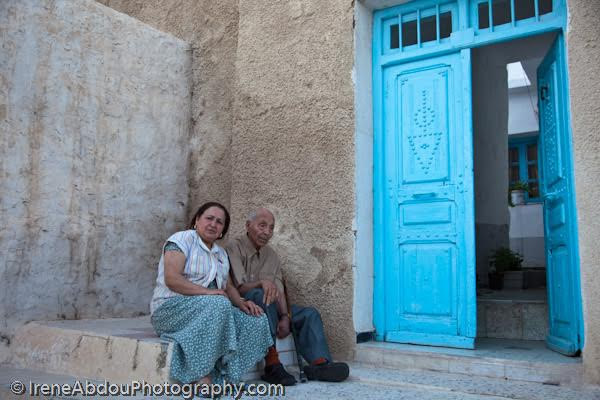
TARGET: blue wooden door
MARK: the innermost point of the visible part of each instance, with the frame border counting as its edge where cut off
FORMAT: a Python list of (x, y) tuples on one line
[(429, 256), (560, 230)]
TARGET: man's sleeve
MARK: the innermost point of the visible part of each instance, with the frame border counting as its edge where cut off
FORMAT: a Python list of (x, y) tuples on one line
[(236, 265)]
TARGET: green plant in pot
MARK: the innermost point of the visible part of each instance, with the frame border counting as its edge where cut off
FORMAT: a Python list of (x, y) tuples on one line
[(502, 259), (517, 192)]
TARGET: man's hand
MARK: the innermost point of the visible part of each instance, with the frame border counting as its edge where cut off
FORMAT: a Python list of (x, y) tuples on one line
[(250, 308), (271, 293), (283, 326)]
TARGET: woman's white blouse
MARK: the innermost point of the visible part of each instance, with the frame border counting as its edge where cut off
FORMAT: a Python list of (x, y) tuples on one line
[(202, 265)]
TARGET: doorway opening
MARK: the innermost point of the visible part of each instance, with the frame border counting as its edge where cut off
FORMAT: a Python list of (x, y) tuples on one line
[(509, 230)]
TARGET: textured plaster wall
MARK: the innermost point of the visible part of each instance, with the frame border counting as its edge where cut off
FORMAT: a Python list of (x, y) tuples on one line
[(211, 28), (583, 55), (293, 146), (94, 119)]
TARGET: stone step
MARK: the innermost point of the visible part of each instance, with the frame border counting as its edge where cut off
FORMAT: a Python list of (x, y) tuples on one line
[(505, 319), (512, 314), (461, 386), (515, 360), (117, 349)]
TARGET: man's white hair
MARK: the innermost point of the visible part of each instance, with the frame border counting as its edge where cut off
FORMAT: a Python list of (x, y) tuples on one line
[(253, 214)]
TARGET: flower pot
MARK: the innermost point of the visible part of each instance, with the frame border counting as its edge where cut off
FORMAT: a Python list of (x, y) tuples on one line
[(517, 197)]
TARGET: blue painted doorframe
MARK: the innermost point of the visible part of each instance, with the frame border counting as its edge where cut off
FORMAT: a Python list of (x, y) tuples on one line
[(425, 277), (560, 218)]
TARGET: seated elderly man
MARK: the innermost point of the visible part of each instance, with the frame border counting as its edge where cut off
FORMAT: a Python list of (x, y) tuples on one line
[(256, 271)]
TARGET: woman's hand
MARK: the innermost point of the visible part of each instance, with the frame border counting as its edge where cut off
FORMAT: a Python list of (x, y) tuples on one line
[(250, 308), (247, 306)]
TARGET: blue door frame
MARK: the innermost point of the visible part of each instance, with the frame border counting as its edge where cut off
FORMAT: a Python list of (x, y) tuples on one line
[(467, 33)]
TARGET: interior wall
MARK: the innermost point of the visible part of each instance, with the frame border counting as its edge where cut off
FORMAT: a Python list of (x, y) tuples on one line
[(490, 152), (526, 234), (94, 115), (583, 55)]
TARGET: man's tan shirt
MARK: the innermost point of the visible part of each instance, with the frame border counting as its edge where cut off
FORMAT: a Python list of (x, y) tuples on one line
[(248, 265)]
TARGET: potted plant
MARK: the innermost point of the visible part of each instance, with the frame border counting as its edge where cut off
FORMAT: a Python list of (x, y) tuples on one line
[(505, 269), (517, 193)]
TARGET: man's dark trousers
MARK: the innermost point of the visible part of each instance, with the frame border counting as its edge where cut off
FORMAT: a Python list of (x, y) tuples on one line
[(307, 321)]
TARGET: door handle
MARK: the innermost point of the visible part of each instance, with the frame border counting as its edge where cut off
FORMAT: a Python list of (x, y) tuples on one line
[(424, 195)]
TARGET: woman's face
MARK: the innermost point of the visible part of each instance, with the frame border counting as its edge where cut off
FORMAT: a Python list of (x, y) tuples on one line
[(210, 225)]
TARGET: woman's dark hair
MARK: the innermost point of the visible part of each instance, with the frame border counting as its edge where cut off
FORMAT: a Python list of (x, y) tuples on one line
[(205, 207)]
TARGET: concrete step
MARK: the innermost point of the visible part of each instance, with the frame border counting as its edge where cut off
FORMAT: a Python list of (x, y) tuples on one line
[(466, 386), (512, 314), (365, 382), (117, 349), (515, 360)]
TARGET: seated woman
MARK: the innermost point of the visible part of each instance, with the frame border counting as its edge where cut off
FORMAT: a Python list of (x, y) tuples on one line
[(192, 306)]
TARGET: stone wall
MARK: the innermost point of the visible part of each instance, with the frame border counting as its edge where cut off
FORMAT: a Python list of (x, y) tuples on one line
[(211, 28), (293, 147), (583, 55), (94, 115)]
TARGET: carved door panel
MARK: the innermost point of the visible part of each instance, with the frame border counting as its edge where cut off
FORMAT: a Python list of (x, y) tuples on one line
[(430, 262), (559, 209)]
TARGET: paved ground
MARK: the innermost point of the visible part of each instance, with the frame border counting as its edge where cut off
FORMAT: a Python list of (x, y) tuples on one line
[(365, 382)]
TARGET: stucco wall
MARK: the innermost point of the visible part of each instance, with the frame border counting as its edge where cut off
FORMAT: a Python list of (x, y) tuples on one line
[(211, 28), (293, 146), (583, 55), (94, 120)]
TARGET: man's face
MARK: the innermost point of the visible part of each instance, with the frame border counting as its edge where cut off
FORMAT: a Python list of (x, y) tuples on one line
[(260, 230)]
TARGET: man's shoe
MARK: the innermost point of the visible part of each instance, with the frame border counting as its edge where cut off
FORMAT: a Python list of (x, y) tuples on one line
[(277, 375), (329, 371)]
